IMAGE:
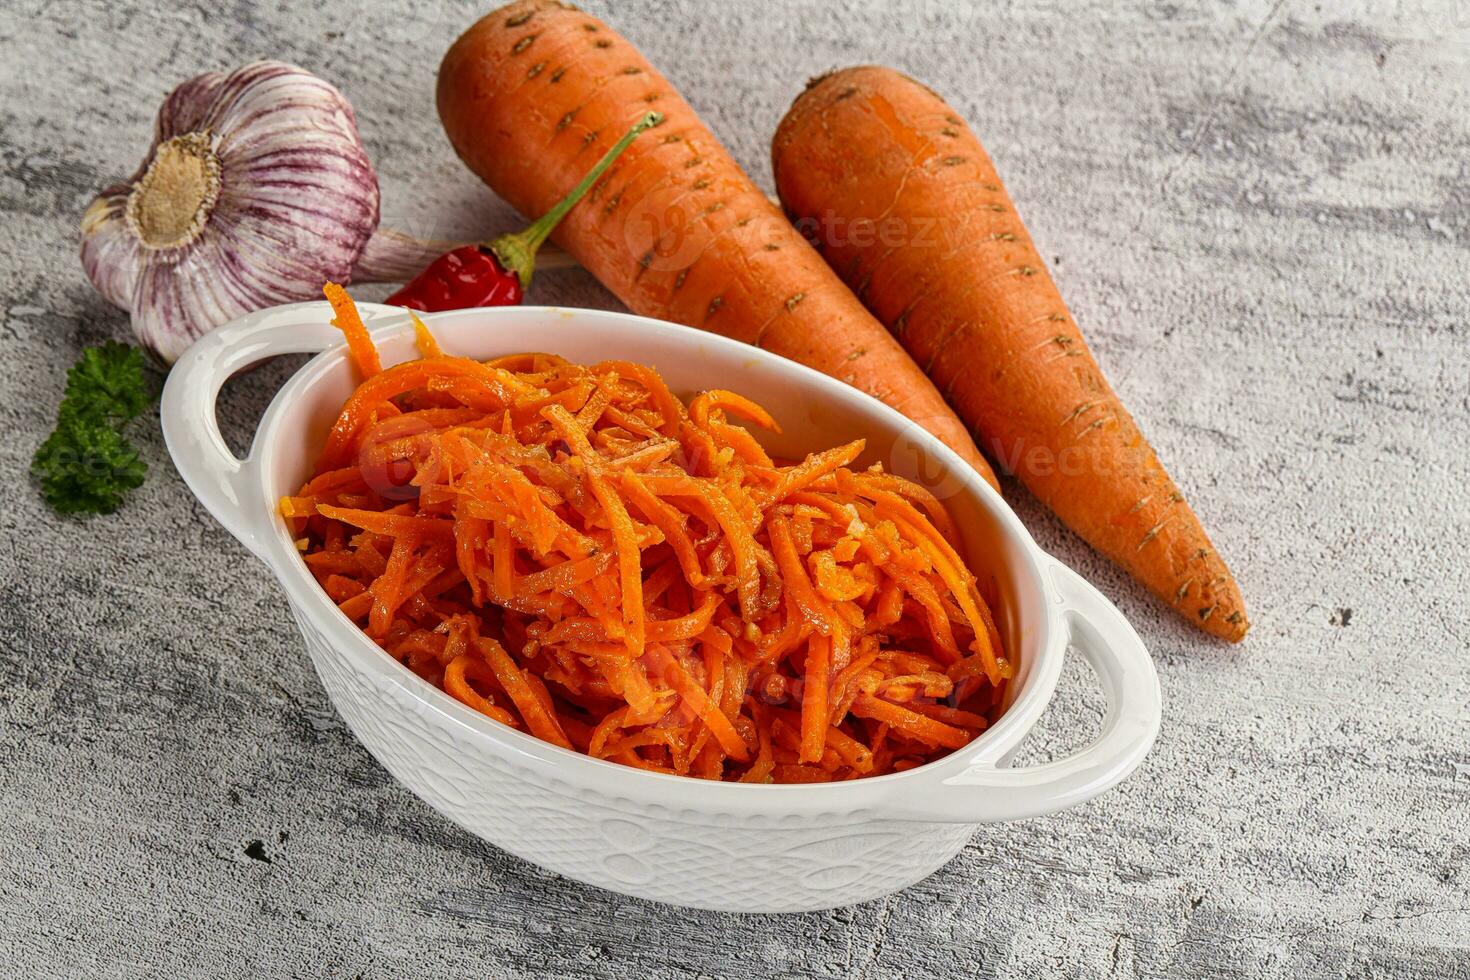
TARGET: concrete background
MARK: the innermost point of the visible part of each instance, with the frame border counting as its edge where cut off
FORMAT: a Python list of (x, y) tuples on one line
[(1260, 213)]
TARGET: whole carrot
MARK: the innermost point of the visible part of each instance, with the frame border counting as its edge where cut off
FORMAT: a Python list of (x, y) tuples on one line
[(537, 90), (904, 203)]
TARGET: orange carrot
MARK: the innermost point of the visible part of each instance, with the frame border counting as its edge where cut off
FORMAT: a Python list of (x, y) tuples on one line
[(537, 90), (905, 204), (457, 683), (630, 561), (542, 722), (427, 345), (364, 354), (910, 722), (699, 701), (393, 525)]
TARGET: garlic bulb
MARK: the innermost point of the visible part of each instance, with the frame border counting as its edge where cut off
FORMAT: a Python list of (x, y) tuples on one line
[(256, 189)]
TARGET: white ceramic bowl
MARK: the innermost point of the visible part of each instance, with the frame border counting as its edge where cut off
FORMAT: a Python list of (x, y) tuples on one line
[(669, 838)]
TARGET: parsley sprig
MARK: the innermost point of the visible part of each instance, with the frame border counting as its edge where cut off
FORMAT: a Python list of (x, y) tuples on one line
[(87, 465)]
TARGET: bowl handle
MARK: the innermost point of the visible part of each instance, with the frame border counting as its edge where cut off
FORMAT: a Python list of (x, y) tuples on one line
[(990, 791), (224, 484)]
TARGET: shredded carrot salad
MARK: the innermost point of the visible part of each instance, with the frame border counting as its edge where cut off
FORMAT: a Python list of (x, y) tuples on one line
[(574, 552)]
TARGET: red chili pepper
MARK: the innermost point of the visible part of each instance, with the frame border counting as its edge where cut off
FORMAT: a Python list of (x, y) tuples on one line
[(498, 272)]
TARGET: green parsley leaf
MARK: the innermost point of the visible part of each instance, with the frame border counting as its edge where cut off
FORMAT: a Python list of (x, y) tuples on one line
[(108, 382), (87, 465)]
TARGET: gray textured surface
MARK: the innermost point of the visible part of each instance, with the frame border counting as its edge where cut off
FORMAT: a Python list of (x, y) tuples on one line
[(1260, 214)]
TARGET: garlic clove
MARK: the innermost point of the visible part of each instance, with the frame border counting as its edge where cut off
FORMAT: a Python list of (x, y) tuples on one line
[(184, 108), (109, 248), (174, 296)]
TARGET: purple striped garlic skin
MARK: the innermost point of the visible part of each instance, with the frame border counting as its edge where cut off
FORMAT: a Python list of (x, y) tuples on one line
[(255, 191)]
